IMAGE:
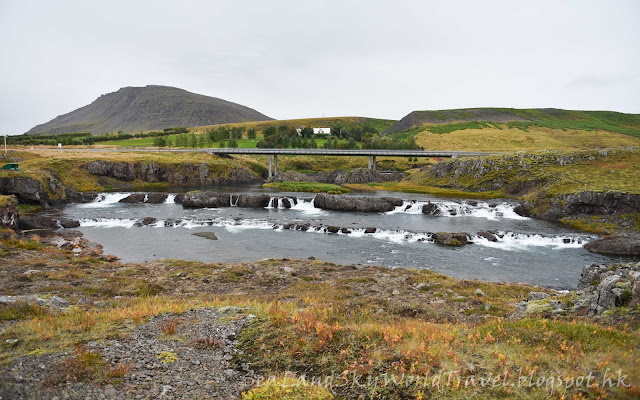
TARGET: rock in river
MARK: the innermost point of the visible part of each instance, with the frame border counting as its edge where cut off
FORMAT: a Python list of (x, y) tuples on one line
[(356, 203)]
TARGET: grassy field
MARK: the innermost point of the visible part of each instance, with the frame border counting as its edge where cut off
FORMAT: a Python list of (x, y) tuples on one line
[(328, 320)]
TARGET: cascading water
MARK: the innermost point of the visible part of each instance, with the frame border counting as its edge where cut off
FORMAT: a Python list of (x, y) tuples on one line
[(105, 200)]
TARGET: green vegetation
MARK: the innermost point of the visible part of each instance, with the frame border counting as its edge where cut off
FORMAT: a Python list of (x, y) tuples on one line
[(313, 187), (407, 187), (86, 138), (458, 126)]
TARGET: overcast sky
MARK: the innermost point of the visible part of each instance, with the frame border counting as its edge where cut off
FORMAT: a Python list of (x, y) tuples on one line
[(296, 59)]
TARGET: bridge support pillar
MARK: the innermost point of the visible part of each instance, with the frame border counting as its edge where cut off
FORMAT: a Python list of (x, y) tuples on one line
[(270, 173), (275, 165), (372, 163)]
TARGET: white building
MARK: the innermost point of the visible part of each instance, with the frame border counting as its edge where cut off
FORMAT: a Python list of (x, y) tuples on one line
[(322, 131)]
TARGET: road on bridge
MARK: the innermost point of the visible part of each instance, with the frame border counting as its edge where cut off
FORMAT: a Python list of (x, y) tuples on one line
[(274, 153)]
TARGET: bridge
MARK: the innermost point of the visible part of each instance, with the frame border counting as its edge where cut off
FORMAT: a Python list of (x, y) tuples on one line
[(274, 153), (372, 154)]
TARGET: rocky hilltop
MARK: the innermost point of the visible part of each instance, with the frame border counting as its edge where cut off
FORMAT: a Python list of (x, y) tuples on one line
[(135, 109)]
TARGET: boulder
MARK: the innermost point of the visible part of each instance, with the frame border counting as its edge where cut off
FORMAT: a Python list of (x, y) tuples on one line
[(370, 230), (621, 244), (253, 200), (134, 198), (451, 239), (355, 203), (156, 198), (333, 229), (488, 235), (200, 199), (346, 231), (431, 209), (149, 221), (68, 223), (286, 203), (206, 235), (179, 197)]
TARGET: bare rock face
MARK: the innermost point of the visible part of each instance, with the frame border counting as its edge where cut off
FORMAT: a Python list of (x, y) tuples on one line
[(206, 199), (114, 169), (622, 244), (355, 203), (26, 189), (28, 222)]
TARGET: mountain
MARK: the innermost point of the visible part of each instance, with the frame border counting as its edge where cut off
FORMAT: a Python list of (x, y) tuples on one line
[(546, 117), (135, 109)]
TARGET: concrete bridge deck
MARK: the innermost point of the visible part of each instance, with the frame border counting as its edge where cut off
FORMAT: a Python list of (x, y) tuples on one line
[(274, 153)]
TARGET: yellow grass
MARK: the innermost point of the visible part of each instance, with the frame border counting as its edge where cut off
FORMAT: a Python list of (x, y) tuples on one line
[(510, 139)]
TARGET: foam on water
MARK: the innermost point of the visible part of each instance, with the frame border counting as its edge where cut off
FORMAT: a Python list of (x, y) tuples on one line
[(107, 223), (453, 209), (524, 241), (105, 200), (171, 199)]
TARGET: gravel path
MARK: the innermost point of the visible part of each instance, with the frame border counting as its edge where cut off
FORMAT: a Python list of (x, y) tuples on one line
[(192, 363)]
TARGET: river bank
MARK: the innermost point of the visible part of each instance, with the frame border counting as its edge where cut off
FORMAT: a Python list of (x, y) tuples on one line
[(268, 317)]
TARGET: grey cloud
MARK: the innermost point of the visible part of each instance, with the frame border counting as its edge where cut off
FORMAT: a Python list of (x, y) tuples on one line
[(291, 59)]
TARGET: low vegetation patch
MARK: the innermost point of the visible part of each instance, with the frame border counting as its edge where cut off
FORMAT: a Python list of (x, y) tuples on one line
[(313, 187)]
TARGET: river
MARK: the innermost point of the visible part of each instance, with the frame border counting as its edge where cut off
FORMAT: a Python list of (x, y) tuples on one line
[(528, 250)]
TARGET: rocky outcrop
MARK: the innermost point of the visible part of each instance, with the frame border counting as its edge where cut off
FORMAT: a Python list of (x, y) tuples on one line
[(184, 174), (625, 244), (206, 199), (28, 222), (356, 203), (608, 286), (585, 204), (340, 177), (9, 215), (451, 239), (253, 200), (601, 288), (26, 189)]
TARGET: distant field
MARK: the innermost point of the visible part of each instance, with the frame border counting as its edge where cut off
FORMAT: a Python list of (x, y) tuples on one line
[(379, 124), (501, 137)]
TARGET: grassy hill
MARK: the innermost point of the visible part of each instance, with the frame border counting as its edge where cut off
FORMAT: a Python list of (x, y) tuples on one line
[(507, 129), (136, 109)]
